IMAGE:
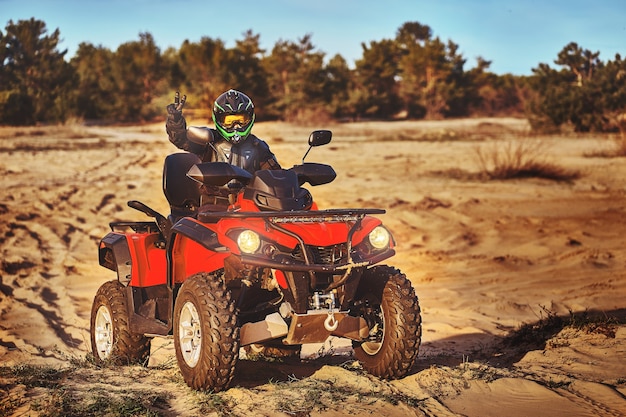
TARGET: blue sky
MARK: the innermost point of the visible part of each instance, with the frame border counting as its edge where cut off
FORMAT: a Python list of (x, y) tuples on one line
[(515, 35)]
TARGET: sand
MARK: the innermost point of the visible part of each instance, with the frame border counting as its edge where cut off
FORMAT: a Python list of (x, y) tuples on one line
[(522, 283)]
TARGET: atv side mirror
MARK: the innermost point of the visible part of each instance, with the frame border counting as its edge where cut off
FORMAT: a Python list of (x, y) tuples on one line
[(318, 138)]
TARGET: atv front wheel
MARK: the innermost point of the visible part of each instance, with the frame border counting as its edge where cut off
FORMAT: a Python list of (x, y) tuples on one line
[(206, 336), (387, 302), (111, 338)]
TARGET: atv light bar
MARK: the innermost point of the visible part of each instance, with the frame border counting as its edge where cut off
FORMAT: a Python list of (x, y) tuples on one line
[(302, 215), (326, 219)]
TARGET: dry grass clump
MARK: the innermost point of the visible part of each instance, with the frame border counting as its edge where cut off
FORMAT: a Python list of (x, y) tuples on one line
[(549, 324), (618, 150), (101, 403), (620, 147), (435, 135), (520, 159), (536, 334), (58, 397)]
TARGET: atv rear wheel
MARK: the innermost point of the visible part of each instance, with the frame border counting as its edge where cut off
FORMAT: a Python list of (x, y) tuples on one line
[(111, 338), (387, 301), (206, 336)]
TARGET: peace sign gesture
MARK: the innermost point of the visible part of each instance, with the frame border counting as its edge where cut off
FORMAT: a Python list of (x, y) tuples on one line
[(175, 110), (178, 102)]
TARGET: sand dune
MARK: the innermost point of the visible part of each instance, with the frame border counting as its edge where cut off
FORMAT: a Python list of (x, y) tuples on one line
[(502, 269)]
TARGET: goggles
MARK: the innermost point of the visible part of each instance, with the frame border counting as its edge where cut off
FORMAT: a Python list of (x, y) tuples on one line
[(229, 121)]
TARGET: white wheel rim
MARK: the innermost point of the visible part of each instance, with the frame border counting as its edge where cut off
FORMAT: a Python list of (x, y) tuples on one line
[(190, 334), (103, 332)]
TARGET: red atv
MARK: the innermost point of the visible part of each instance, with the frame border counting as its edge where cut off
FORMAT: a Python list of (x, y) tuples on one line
[(269, 274)]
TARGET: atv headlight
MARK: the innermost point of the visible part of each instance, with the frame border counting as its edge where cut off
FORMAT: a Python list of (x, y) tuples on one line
[(248, 241), (379, 237)]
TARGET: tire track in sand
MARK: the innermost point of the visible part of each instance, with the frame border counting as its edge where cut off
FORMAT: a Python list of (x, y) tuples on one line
[(48, 248)]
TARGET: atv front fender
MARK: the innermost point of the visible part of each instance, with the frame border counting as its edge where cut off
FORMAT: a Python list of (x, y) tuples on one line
[(194, 248), (198, 232)]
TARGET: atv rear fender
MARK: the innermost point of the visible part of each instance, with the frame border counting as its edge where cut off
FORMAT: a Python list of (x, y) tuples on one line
[(138, 257), (113, 254)]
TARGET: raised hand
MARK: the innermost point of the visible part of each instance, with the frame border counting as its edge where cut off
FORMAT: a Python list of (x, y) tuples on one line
[(175, 110)]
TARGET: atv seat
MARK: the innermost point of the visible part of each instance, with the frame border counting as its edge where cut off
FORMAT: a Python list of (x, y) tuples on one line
[(182, 193)]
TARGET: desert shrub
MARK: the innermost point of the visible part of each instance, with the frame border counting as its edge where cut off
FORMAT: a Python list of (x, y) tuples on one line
[(520, 159)]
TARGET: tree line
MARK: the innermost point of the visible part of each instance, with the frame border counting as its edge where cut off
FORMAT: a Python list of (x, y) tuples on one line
[(412, 76)]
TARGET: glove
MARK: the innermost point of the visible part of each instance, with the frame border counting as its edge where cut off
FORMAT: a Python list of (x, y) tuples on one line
[(175, 110), (173, 115), (175, 125)]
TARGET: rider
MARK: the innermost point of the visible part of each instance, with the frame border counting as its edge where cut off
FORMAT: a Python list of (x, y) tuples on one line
[(230, 141)]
